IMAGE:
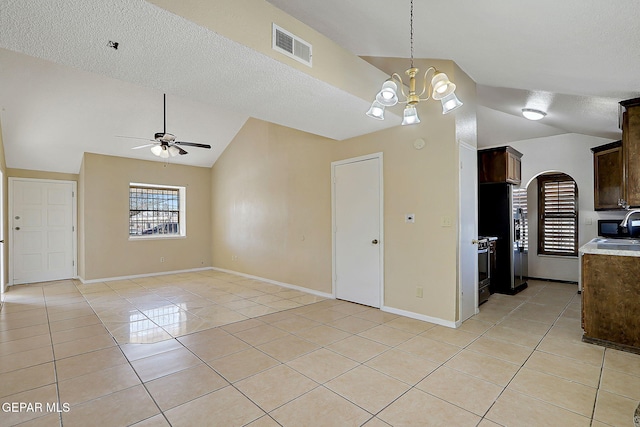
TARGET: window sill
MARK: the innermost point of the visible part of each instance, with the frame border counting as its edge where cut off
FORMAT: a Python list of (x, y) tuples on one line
[(559, 256), (155, 237)]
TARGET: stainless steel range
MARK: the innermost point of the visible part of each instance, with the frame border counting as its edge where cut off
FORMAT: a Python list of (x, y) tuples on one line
[(486, 263)]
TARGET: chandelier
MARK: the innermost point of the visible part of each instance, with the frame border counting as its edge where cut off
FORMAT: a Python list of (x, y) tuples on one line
[(440, 89)]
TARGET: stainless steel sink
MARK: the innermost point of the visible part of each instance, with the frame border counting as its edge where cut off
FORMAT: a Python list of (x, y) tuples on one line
[(618, 244), (612, 241)]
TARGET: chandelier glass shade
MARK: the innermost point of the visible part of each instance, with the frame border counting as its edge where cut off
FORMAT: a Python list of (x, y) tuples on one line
[(440, 88)]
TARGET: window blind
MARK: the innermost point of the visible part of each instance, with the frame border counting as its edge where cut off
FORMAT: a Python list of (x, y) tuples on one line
[(558, 210)]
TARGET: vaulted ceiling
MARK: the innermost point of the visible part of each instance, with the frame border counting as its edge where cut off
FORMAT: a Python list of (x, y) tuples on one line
[(64, 92)]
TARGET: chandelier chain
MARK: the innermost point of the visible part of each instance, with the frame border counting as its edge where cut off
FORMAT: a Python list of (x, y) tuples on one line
[(411, 33)]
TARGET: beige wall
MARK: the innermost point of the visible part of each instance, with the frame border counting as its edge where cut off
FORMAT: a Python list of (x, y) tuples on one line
[(107, 250), (423, 182), (5, 210), (271, 206), (271, 187), (81, 221)]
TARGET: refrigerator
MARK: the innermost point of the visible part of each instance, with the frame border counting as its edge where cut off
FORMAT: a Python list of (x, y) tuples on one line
[(502, 215)]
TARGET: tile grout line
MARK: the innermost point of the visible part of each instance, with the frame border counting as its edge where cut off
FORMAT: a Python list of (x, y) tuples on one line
[(53, 354), (395, 347), (595, 401), (532, 352), (130, 365)]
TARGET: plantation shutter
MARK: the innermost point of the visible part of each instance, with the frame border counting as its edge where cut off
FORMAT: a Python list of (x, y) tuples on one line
[(558, 210)]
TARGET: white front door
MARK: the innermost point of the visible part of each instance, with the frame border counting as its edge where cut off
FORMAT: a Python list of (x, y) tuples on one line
[(42, 230), (357, 228), (468, 251)]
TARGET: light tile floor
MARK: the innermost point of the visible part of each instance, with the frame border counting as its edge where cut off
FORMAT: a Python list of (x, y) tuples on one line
[(212, 348)]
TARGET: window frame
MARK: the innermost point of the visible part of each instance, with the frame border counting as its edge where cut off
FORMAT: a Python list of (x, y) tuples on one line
[(542, 215), (182, 214)]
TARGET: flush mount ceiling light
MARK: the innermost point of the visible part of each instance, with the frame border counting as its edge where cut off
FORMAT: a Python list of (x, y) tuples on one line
[(533, 114), (440, 89)]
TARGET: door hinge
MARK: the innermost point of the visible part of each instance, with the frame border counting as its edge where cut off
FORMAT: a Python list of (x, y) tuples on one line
[(73, 263), (73, 228), (73, 194)]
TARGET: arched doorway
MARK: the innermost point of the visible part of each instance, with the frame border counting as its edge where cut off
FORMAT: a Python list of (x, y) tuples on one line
[(553, 226)]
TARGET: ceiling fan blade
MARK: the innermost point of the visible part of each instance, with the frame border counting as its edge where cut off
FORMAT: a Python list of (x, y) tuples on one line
[(133, 137), (193, 144), (182, 152), (143, 146)]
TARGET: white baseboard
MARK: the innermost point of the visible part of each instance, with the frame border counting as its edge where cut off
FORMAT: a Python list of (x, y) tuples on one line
[(275, 282), (417, 316), (137, 276)]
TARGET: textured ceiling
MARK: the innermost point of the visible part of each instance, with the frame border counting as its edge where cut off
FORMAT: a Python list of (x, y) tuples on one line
[(118, 92), (63, 91)]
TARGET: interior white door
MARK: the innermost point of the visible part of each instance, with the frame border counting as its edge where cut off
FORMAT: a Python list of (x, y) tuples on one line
[(468, 267), (358, 231), (42, 231)]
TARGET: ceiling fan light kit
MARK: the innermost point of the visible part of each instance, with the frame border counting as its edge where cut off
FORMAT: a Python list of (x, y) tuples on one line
[(533, 114), (440, 89)]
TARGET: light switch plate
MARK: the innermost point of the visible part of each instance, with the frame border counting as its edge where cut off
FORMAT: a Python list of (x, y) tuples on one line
[(445, 221)]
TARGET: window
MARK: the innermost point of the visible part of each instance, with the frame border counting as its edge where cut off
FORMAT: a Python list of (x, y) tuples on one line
[(156, 211), (558, 215)]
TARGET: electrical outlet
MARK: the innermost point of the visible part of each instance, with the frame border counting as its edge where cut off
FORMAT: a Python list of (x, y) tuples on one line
[(419, 292), (161, 259), (234, 257), (445, 221)]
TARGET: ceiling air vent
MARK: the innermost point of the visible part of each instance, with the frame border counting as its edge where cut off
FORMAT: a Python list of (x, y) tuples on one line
[(292, 46)]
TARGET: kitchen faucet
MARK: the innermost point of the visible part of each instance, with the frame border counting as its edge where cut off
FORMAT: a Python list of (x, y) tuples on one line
[(625, 221)]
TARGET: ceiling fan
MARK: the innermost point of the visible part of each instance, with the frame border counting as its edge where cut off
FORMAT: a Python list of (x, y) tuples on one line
[(164, 144)]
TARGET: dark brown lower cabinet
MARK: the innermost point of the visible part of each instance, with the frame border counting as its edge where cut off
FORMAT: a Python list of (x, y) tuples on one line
[(610, 301)]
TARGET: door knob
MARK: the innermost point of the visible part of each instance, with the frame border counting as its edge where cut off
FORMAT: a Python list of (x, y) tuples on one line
[(17, 228), (374, 241)]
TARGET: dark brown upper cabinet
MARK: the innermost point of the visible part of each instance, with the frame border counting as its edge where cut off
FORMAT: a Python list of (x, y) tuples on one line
[(608, 176), (500, 164), (631, 151)]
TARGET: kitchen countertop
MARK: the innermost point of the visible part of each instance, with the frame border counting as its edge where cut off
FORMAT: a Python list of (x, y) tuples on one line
[(621, 247)]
